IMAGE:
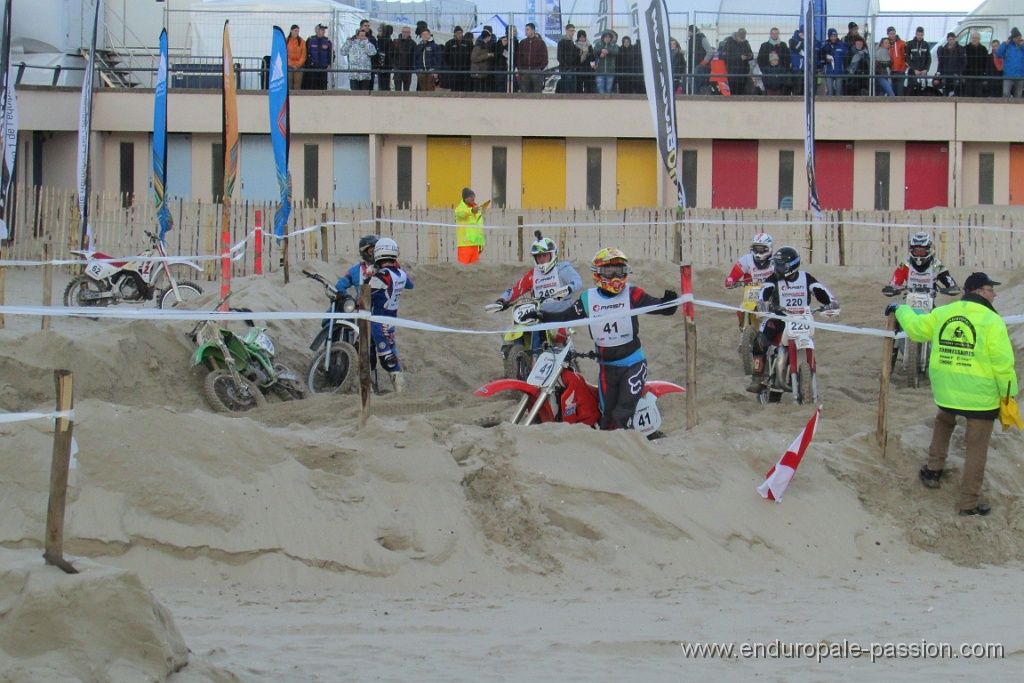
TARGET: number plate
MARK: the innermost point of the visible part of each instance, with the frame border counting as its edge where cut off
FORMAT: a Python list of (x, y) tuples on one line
[(804, 343), (919, 302), (520, 310), (542, 369), (752, 293), (647, 417)]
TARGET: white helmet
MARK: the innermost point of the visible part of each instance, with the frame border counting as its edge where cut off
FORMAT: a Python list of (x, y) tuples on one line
[(544, 245), (922, 248), (761, 248), (386, 249)]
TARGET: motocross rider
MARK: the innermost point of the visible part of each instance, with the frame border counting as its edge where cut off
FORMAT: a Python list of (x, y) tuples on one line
[(753, 268), (922, 269), (547, 276), (387, 280), (788, 288), (620, 357), (357, 274)]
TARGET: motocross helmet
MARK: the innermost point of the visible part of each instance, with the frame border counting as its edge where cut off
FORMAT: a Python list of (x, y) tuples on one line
[(366, 247), (921, 249), (786, 261), (761, 249), (611, 269), (544, 245), (386, 249)]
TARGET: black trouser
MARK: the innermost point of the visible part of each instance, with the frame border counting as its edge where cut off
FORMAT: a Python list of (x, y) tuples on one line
[(620, 389), (403, 80), (315, 78), (773, 327)]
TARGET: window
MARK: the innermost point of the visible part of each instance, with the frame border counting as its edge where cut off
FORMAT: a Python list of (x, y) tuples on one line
[(690, 176), (881, 181), (127, 184), (404, 190), (499, 176), (593, 178), (986, 177), (311, 174), (217, 171), (785, 199)]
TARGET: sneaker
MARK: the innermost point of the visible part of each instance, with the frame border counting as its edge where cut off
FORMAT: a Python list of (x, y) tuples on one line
[(981, 509), (929, 478)]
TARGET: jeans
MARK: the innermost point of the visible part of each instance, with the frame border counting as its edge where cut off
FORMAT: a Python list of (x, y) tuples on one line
[(604, 83), (833, 85), (1013, 87), (567, 83), (885, 86)]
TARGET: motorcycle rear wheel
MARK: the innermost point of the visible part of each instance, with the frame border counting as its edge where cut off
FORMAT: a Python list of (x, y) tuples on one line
[(189, 291), (340, 375), (84, 283), (225, 396), (518, 363), (746, 349)]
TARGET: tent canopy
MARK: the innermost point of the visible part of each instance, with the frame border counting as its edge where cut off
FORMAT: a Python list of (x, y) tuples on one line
[(499, 25)]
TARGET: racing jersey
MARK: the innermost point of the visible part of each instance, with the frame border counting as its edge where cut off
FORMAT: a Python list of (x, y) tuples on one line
[(353, 277), (746, 271), (387, 285), (932, 277), (542, 285), (795, 293)]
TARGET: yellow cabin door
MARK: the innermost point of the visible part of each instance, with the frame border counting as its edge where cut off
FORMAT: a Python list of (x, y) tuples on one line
[(1017, 174), (448, 171), (636, 174), (543, 173)]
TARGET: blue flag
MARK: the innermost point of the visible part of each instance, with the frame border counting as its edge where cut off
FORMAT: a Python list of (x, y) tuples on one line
[(279, 128), (163, 214), (810, 83)]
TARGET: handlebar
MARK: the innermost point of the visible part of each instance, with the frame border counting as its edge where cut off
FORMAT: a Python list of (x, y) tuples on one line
[(332, 293)]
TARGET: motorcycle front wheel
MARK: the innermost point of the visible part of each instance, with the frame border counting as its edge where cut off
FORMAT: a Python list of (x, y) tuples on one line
[(747, 348), (518, 363), (913, 364), (226, 396), (340, 375), (188, 291), (83, 283), (805, 380)]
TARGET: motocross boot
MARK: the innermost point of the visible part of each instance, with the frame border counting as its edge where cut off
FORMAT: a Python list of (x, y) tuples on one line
[(398, 379), (757, 376)]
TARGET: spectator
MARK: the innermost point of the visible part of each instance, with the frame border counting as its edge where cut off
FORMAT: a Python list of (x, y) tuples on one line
[(852, 34), (296, 58), (1012, 54), (737, 55), (359, 51), (469, 236), (796, 63), (883, 67), (773, 44), (457, 55), (678, 64), (385, 56), (919, 60), (952, 61), (532, 59), (319, 57), (405, 52), (504, 49), (858, 63), (585, 64), (774, 75), (700, 51), (631, 68), (605, 52), (566, 55), (994, 84), (833, 58), (481, 63), (898, 52), (429, 61), (975, 67), (374, 59), (971, 368)]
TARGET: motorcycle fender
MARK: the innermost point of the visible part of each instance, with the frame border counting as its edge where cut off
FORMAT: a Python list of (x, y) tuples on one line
[(207, 351), (500, 385), (661, 388), (320, 338), (185, 262), (513, 335)]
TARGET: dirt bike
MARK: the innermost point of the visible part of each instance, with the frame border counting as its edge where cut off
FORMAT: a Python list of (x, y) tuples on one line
[(783, 370), (335, 368), (241, 369), (556, 391), (915, 354), (749, 324), (522, 344), (105, 282)]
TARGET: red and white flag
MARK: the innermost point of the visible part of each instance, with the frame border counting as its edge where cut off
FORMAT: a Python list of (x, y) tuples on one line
[(778, 477)]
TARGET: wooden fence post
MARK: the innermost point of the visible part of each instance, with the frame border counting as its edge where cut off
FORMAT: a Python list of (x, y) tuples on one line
[(690, 332), (519, 222), (258, 253), (365, 349), (882, 430), (62, 431), (44, 321), (3, 282), (323, 237)]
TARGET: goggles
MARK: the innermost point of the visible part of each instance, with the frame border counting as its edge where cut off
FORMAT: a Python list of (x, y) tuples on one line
[(920, 252), (760, 249), (613, 270)]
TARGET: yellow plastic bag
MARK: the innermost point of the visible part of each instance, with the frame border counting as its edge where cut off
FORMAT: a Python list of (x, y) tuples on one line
[(1009, 414)]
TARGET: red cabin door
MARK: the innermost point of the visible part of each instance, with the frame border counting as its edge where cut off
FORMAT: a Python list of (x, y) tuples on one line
[(927, 171), (833, 172), (734, 174)]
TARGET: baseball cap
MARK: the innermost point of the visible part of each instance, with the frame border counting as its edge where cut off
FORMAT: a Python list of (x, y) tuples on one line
[(321, 26), (852, 24), (979, 280)]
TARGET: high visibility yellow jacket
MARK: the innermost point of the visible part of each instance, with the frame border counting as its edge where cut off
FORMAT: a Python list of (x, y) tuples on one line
[(469, 236), (971, 359)]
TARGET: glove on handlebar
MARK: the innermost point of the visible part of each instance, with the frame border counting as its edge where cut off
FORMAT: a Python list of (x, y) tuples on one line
[(501, 302), (890, 290), (891, 308), (533, 315)]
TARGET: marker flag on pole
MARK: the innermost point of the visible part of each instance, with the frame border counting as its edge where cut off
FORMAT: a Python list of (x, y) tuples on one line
[(810, 78), (163, 213), (661, 94), (8, 118), (280, 131), (84, 133), (778, 477), (230, 128)]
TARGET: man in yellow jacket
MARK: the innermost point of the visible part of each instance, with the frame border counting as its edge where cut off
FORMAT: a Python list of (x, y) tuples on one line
[(470, 238), (971, 369)]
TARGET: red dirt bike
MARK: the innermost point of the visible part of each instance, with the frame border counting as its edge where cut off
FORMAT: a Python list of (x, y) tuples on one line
[(783, 370), (556, 392)]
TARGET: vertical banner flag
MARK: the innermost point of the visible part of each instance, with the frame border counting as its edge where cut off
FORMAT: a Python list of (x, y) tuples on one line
[(660, 89), (229, 106), (280, 132), (163, 214), (8, 118), (634, 21), (602, 19), (810, 68), (778, 477), (84, 133)]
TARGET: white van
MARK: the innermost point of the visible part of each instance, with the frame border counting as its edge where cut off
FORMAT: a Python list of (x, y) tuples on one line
[(993, 20)]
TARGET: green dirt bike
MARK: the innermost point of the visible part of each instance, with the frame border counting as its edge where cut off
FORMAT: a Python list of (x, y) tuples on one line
[(241, 368)]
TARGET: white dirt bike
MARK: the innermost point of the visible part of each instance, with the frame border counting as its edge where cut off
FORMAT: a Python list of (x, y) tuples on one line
[(915, 354), (783, 370), (105, 282)]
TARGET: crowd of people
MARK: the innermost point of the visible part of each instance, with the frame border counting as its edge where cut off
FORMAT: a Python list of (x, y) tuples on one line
[(503, 62)]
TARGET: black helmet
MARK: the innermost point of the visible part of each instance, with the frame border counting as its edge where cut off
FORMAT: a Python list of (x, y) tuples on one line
[(786, 261), (366, 244)]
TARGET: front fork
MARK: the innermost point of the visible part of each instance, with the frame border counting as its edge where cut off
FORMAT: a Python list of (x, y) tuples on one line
[(794, 373)]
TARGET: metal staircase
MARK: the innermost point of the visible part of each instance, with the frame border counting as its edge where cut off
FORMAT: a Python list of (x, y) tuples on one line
[(109, 70)]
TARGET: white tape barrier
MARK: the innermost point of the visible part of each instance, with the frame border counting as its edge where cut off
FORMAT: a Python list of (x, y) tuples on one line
[(25, 417)]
